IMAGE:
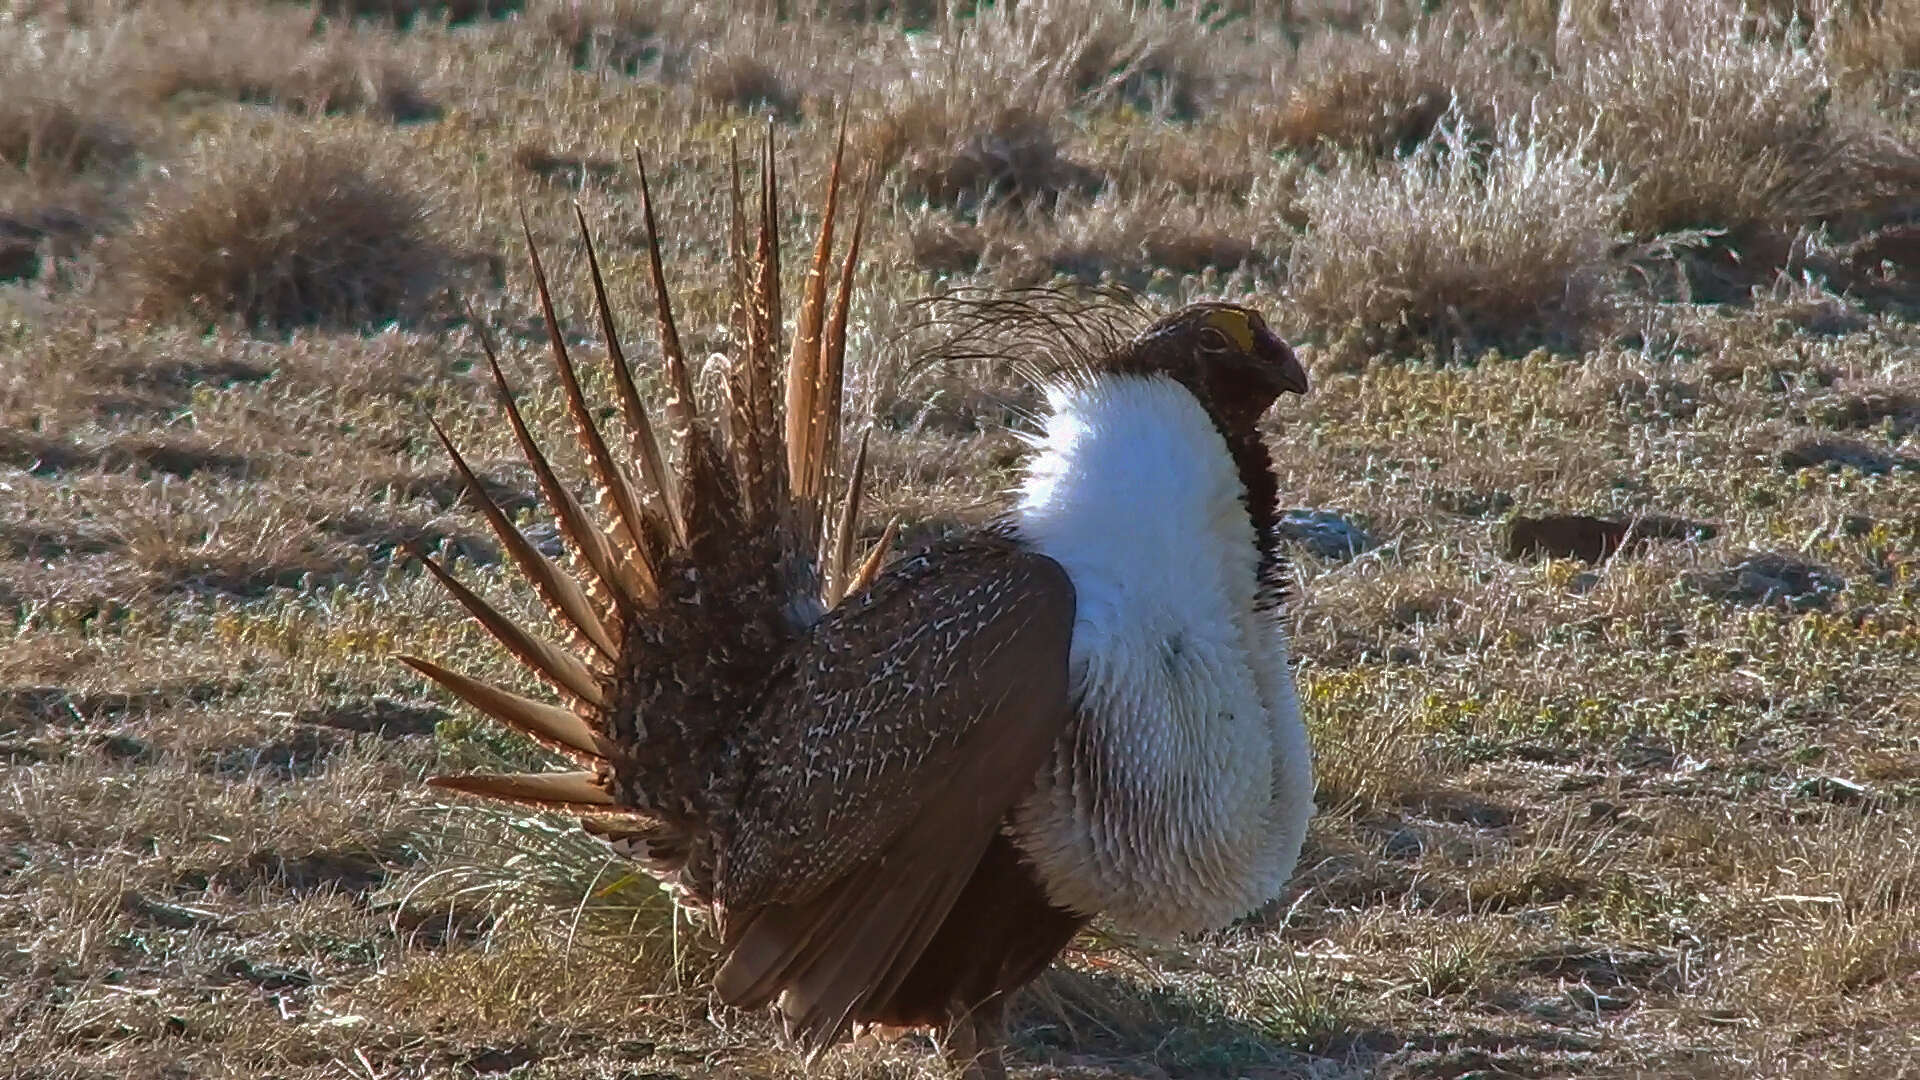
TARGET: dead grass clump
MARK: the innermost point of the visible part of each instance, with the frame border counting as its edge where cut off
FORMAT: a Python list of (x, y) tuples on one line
[(404, 13), (1438, 247), (742, 81), (1387, 97), (290, 236), (62, 159), (43, 136), (1714, 128), (1088, 54), (267, 57), (1011, 157), (633, 37), (1875, 47)]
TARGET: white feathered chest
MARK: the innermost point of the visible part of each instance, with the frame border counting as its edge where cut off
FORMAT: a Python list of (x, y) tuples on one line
[(1180, 795)]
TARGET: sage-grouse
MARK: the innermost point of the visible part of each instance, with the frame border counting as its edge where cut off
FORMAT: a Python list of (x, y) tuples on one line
[(900, 790)]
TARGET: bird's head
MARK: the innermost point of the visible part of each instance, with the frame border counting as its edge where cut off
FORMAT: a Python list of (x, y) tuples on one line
[(1224, 354)]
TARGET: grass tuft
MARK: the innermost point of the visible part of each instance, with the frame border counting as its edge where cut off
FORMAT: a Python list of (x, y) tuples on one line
[(1459, 249), (44, 137), (1714, 128), (629, 36), (743, 81), (1010, 157), (285, 237), (1385, 96), (267, 56)]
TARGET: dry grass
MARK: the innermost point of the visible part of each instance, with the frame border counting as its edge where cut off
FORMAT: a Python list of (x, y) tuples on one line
[(1717, 129), (1655, 814), (64, 154), (954, 156), (1456, 248), (293, 235), (1385, 96), (42, 136), (627, 36), (1876, 46), (264, 55)]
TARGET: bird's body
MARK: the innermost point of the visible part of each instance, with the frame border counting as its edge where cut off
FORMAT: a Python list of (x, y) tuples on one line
[(900, 792), (1186, 719)]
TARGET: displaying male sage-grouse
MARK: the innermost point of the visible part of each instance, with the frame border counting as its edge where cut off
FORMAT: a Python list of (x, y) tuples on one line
[(900, 791)]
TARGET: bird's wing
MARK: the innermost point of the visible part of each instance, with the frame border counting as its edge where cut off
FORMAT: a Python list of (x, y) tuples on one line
[(906, 728)]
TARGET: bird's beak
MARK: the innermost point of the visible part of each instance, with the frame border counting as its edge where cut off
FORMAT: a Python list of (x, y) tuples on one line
[(1283, 366)]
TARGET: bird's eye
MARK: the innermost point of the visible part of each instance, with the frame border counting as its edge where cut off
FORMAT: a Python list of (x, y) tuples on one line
[(1214, 340)]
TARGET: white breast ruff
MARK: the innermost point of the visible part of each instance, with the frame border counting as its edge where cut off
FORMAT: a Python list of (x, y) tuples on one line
[(1179, 798)]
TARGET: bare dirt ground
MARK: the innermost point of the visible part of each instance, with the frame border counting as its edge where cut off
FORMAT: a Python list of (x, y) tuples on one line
[(1653, 811)]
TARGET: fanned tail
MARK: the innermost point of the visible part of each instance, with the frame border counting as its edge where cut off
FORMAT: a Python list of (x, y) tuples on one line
[(700, 567)]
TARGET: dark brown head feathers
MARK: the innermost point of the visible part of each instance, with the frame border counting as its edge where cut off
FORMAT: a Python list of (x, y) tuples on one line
[(1224, 353)]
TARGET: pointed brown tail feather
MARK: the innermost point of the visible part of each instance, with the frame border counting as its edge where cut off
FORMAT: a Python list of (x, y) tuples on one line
[(642, 445), (570, 792), (616, 488), (565, 599), (804, 364), (877, 558), (703, 565)]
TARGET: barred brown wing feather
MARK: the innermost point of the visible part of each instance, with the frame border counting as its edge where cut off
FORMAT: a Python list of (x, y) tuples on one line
[(900, 735)]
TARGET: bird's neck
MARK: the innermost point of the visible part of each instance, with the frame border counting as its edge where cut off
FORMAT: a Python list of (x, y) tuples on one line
[(1137, 464)]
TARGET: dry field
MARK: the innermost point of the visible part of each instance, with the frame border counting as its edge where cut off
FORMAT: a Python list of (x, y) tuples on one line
[(1654, 813)]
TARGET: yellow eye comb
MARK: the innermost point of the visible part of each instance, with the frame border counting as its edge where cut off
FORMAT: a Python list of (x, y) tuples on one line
[(1236, 324)]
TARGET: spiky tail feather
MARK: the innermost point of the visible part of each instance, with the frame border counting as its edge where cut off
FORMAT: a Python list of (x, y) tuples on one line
[(701, 568)]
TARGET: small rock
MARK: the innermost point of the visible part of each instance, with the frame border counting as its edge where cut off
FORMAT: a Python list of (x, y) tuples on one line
[(1404, 843), (1764, 578), (1583, 583), (125, 748), (266, 976), (1840, 454), (1326, 534), (1591, 539), (1830, 789), (545, 537)]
